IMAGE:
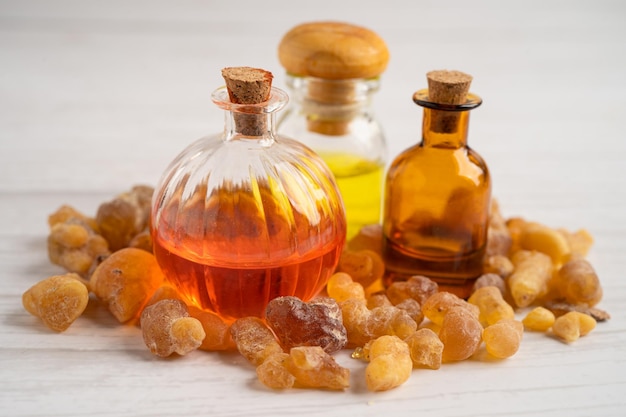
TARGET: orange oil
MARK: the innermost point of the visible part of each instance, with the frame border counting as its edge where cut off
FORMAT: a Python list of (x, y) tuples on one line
[(234, 252)]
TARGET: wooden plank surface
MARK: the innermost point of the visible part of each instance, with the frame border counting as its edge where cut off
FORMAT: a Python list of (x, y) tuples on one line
[(98, 96)]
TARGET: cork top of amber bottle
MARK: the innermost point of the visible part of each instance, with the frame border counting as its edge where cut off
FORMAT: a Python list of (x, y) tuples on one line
[(333, 51), (448, 87), (448, 95)]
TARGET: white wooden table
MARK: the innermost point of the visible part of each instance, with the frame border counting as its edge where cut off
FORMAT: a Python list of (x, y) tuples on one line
[(98, 96)]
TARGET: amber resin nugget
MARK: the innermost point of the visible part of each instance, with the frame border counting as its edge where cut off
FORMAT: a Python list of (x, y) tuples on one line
[(314, 368), (125, 281), (254, 340), (570, 326), (57, 301), (503, 339), (74, 245), (579, 284), (390, 363), (316, 323), (426, 349), (529, 281), (461, 334), (492, 306), (126, 216), (167, 328)]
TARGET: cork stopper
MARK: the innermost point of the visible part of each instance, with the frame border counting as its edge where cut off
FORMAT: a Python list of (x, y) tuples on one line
[(448, 87), (248, 85), (333, 51)]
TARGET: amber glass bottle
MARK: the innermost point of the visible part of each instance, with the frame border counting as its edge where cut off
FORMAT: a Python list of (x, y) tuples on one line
[(333, 71), (437, 193), (245, 216)]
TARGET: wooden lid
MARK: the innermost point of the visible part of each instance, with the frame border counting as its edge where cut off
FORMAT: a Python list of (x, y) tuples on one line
[(448, 87), (247, 85), (333, 50)]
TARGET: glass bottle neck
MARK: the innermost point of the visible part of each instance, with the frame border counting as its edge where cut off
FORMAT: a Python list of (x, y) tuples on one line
[(445, 129), (330, 105), (250, 121), (249, 125)]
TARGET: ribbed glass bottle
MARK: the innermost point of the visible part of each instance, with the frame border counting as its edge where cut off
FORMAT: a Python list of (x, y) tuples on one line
[(245, 216)]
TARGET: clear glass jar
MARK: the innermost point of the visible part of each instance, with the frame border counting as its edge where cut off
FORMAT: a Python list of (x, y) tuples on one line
[(437, 198), (335, 118), (246, 215)]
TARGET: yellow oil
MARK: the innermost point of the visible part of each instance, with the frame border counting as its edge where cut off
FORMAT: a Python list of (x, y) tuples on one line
[(360, 185)]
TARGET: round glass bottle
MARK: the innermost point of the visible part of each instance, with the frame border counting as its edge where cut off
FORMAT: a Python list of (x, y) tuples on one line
[(245, 216), (437, 195), (332, 73)]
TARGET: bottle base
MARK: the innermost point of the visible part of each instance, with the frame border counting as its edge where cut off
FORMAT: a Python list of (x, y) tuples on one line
[(452, 272)]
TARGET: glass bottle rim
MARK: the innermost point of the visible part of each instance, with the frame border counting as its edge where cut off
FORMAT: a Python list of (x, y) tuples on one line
[(278, 99), (421, 98), (365, 85)]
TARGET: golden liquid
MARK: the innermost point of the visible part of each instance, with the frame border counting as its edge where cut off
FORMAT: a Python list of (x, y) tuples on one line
[(360, 185)]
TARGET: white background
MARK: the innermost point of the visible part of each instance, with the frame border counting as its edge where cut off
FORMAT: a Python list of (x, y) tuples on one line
[(98, 96)]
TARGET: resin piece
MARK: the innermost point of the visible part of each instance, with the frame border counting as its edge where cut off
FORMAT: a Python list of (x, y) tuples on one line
[(378, 300), (461, 335), (537, 237), (578, 283), (58, 300), (491, 280), (317, 323), (437, 305), (529, 281), (341, 286), (492, 306), (413, 309), (75, 246), (539, 319), (273, 372), (389, 321), (503, 339), (426, 349), (416, 287), (254, 340), (389, 364), (127, 215), (580, 242), (571, 326), (125, 281), (355, 319), (314, 368), (364, 266), (167, 328), (217, 331)]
